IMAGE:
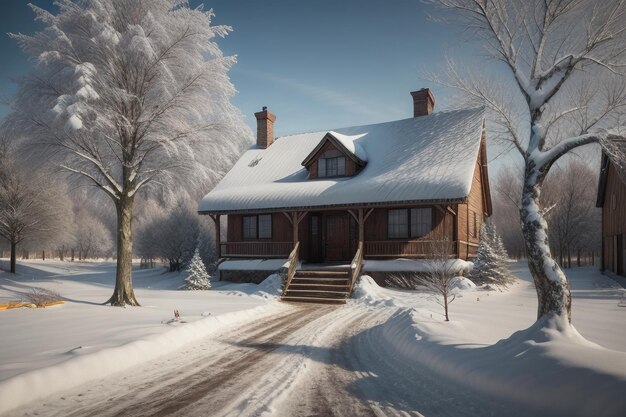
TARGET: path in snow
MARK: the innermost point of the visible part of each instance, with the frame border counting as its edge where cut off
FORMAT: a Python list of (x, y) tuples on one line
[(310, 360)]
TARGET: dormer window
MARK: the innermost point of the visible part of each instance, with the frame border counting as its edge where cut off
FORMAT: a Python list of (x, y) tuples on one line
[(332, 163), (336, 155)]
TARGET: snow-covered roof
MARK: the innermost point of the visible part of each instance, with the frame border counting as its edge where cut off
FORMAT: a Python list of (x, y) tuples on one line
[(426, 158), (351, 144)]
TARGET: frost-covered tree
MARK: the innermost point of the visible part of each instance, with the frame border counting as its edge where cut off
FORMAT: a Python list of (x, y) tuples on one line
[(129, 96), (91, 237), (170, 235), (564, 89), (197, 276), (491, 257), (31, 205)]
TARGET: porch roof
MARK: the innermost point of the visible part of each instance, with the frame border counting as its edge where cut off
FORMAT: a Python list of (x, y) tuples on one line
[(421, 159)]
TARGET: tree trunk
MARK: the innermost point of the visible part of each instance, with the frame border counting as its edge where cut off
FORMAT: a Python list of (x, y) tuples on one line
[(551, 284), (13, 256), (445, 306), (569, 258), (123, 293)]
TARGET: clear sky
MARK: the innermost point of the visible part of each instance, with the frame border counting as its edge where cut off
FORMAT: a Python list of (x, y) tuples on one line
[(316, 64)]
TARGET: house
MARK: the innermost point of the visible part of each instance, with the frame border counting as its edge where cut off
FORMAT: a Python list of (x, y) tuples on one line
[(375, 192), (612, 200)]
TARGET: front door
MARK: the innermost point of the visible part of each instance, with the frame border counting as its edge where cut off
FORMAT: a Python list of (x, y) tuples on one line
[(337, 237), (315, 228)]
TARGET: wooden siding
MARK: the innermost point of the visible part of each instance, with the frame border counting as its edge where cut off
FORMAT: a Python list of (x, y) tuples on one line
[(475, 206), (351, 167), (614, 223), (457, 228)]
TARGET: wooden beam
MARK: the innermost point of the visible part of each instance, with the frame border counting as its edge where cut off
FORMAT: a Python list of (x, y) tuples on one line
[(361, 222), (367, 213), (354, 215), (288, 216), (218, 237)]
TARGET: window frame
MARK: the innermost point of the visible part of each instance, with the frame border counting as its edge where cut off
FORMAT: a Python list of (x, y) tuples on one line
[(257, 230), (334, 162), (409, 225)]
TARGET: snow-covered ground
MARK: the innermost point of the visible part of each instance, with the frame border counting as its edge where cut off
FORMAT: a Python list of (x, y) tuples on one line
[(35, 339), (387, 352), (548, 368)]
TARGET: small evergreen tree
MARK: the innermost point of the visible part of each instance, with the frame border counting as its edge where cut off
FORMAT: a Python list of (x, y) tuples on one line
[(490, 263), (198, 278)]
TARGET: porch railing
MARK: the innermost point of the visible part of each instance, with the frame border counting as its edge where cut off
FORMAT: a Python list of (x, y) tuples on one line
[(292, 266), (260, 249), (356, 267)]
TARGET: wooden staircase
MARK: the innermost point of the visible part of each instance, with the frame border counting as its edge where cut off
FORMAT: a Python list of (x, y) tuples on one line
[(323, 286)]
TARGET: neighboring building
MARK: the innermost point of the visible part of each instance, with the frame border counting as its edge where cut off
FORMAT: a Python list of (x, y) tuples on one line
[(389, 188), (612, 199)]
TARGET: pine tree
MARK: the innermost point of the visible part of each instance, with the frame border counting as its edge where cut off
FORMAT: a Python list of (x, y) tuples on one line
[(198, 278), (490, 263)]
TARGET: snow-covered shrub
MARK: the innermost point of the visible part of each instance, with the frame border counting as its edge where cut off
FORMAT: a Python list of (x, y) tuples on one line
[(490, 263), (197, 278)]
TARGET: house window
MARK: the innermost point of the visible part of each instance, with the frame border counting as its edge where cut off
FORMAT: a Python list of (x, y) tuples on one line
[(421, 221), (257, 227), (265, 226), (331, 164), (398, 223), (404, 223)]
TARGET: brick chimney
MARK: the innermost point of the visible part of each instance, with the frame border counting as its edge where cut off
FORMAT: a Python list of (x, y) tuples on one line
[(423, 102), (264, 128)]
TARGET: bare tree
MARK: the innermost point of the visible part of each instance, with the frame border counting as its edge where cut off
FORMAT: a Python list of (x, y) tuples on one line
[(506, 189), (129, 95), (29, 205), (439, 276), (564, 90), (574, 218)]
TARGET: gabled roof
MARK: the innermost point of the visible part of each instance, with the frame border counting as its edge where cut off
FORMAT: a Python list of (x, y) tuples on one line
[(348, 145), (620, 148), (421, 159)]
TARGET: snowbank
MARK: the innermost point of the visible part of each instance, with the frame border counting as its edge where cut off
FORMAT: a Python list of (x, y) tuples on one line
[(269, 288), (549, 367), (460, 266), (84, 366), (367, 291), (461, 284), (253, 264)]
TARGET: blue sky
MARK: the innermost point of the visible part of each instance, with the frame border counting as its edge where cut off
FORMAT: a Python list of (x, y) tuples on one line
[(316, 65)]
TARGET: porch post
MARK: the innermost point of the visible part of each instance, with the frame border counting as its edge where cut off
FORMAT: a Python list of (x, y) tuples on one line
[(295, 217), (361, 216), (218, 237), (294, 224), (361, 226)]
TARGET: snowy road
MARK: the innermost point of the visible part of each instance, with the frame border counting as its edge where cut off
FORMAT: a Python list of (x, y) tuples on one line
[(308, 361)]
